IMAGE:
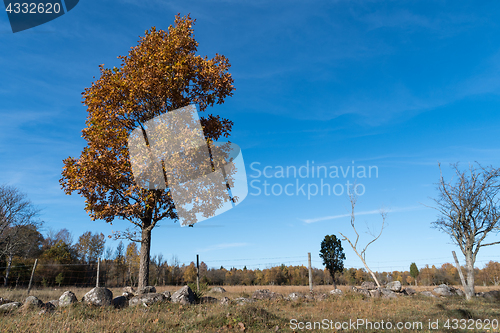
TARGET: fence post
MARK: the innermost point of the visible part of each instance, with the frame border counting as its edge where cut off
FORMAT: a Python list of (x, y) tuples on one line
[(198, 273), (98, 268), (32, 273), (310, 272)]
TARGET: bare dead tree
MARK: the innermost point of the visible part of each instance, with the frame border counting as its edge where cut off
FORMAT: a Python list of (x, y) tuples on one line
[(468, 212), (18, 225), (362, 255)]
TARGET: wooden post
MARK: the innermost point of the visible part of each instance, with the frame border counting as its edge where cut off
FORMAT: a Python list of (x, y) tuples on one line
[(32, 273), (198, 273), (310, 272), (461, 275), (98, 269)]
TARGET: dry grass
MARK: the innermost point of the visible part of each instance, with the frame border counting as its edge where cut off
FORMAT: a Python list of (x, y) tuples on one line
[(260, 316)]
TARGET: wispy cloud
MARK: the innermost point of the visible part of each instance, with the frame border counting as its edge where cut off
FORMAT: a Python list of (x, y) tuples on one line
[(222, 246), (368, 212)]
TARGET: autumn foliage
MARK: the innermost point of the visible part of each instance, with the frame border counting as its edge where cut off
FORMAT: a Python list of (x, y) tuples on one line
[(162, 73)]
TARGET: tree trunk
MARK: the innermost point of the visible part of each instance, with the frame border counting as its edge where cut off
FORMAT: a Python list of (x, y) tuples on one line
[(333, 281), (469, 265), (144, 254), (7, 271)]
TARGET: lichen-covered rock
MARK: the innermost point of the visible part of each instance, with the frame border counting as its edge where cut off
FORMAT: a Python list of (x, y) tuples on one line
[(167, 295), (296, 296), (127, 295), (368, 285), (99, 296), (54, 302), (458, 292), (265, 294), (492, 294), (130, 290), (375, 293), (32, 302), (67, 298), (183, 296), (388, 293), (225, 301), (409, 291), (208, 299), (146, 299), (363, 292), (47, 308), (120, 302), (146, 290), (443, 290), (4, 301), (8, 307), (394, 286), (427, 293), (336, 292), (243, 300), (217, 290)]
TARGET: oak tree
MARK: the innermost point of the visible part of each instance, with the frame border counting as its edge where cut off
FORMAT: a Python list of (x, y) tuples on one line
[(469, 213), (161, 74)]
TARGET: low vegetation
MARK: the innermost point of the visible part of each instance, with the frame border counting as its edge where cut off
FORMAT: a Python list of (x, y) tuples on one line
[(260, 316)]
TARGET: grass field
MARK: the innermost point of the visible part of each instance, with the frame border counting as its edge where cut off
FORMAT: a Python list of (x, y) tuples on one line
[(415, 312)]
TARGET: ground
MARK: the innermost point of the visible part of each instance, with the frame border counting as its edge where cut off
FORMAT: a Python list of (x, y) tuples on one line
[(418, 313)]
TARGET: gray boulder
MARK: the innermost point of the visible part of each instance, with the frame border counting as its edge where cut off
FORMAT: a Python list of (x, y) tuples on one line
[(146, 299), (296, 296), (47, 308), (127, 295), (336, 292), (369, 285), (130, 290), (217, 290), (54, 302), (8, 307), (363, 292), (409, 291), (167, 295), (388, 293), (67, 298), (458, 292), (243, 300), (394, 286), (208, 299), (4, 301), (183, 296), (225, 301), (492, 294), (375, 293), (147, 290), (443, 290), (99, 296), (265, 294), (427, 293), (120, 302), (32, 302)]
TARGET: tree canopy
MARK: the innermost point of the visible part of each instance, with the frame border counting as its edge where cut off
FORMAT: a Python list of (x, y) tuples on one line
[(333, 255), (162, 73)]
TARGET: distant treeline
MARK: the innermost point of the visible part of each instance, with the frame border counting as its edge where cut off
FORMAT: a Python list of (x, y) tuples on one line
[(60, 262)]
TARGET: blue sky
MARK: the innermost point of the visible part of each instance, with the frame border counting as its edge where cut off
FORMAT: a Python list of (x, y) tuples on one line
[(399, 86)]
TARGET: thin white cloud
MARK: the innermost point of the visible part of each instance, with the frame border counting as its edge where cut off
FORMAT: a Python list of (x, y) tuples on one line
[(369, 212), (222, 246)]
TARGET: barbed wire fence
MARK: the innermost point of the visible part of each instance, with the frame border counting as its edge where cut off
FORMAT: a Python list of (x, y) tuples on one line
[(101, 273)]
